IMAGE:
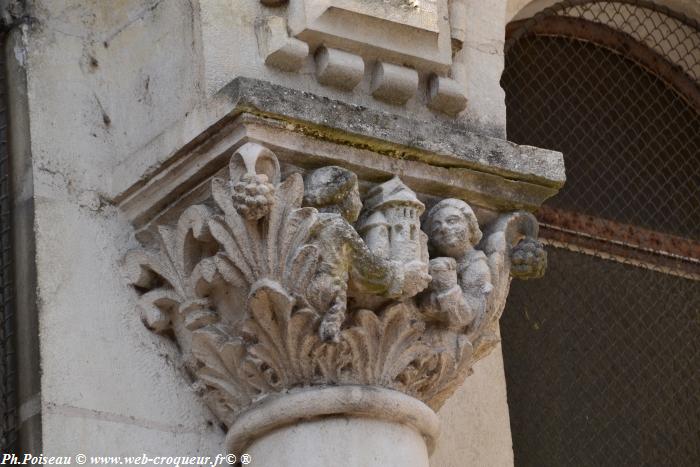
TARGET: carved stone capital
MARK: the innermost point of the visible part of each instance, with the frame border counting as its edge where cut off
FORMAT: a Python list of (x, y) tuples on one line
[(280, 287)]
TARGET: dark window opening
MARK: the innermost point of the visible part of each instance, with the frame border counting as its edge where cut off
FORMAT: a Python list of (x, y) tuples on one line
[(602, 356)]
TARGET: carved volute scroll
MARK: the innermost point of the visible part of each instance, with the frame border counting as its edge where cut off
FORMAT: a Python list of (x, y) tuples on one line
[(284, 284)]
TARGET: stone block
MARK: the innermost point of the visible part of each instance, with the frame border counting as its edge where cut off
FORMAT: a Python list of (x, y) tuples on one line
[(416, 33), (479, 65), (393, 84), (289, 57), (459, 19), (338, 69), (446, 95), (279, 50)]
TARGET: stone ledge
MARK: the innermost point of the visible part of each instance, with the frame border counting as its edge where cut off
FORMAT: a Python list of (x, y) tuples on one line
[(184, 178), (435, 157), (462, 147)]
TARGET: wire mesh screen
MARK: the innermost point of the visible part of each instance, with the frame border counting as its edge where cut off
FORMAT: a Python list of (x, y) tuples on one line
[(602, 356), (8, 413)]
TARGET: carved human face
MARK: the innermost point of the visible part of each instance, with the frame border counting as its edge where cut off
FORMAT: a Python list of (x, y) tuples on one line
[(449, 232), (352, 204)]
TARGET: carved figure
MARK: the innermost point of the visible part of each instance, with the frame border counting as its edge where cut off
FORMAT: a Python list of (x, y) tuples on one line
[(460, 288), (333, 190), (346, 261), (483, 269)]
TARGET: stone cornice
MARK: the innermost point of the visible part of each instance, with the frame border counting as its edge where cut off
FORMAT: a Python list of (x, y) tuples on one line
[(438, 142)]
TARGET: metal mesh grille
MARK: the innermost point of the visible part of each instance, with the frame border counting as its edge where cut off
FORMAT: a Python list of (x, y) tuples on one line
[(602, 356), (8, 415), (601, 365), (630, 140)]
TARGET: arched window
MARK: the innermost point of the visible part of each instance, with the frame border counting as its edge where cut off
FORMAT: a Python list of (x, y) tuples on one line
[(602, 357)]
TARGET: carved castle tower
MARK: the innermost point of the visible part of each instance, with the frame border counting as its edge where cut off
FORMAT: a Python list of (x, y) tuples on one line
[(390, 222)]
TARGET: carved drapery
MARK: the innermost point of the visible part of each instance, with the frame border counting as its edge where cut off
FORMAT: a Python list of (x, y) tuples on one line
[(281, 284)]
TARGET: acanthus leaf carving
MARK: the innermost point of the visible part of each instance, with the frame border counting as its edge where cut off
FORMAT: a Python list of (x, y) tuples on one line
[(271, 287), (383, 346)]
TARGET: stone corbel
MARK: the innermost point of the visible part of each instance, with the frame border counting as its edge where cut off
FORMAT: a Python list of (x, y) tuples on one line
[(296, 302)]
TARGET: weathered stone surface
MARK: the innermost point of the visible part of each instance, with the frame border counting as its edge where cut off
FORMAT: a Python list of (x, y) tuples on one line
[(300, 406), (451, 143), (446, 95), (435, 158), (476, 432), (265, 295), (458, 21), (280, 51), (373, 36), (478, 65), (400, 31), (339, 69), (360, 441), (491, 154), (392, 83), (443, 177)]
